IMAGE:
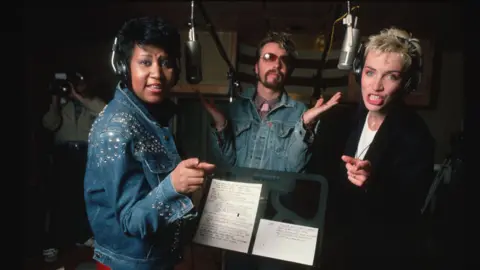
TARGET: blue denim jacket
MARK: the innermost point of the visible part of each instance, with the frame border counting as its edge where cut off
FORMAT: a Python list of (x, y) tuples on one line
[(279, 142), (135, 213)]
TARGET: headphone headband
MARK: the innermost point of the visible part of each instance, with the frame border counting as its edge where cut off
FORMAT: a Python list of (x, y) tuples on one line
[(414, 74), (119, 64)]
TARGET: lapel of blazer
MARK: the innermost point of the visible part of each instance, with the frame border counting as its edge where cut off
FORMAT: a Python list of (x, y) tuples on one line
[(379, 146), (386, 136), (352, 142)]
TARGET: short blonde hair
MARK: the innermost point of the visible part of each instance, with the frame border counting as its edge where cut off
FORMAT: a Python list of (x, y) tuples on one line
[(397, 41)]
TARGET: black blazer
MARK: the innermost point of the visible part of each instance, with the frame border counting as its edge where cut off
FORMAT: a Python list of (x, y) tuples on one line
[(386, 210)]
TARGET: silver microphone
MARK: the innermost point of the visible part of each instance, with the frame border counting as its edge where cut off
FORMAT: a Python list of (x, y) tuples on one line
[(193, 53), (350, 42)]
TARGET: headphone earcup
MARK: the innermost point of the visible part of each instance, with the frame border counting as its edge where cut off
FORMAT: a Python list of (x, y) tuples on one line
[(357, 64), (122, 68), (414, 78), (357, 72), (417, 79), (118, 68), (408, 85)]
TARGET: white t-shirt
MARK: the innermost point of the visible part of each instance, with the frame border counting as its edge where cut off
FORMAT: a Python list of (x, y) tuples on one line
[(365, 140)]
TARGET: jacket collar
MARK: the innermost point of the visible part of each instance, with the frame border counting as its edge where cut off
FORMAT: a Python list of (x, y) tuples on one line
[(123, 93), (285, 100)]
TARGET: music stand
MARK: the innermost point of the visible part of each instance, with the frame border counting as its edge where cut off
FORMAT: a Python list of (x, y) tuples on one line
[(282, 192)]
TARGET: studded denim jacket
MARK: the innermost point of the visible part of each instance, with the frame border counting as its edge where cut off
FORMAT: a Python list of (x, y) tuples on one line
[(278, 142), (135, 213)]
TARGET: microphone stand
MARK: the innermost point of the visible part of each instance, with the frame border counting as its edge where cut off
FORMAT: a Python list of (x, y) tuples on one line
[(319, 82), (233, 84)]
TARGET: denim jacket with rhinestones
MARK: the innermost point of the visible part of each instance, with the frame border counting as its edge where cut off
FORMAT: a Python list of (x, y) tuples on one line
[(279, 142), (135, 213)]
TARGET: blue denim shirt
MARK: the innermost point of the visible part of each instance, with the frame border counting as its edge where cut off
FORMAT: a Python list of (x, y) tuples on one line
[(135, 213), (279, 142)]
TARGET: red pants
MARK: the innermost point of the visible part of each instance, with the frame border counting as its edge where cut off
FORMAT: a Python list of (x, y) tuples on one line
[(102, 266)]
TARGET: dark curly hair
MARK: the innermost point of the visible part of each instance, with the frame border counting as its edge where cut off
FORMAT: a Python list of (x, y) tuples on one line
[(153, 31)]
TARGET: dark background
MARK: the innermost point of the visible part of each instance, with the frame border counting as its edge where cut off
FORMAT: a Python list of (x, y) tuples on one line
[(78, 35)]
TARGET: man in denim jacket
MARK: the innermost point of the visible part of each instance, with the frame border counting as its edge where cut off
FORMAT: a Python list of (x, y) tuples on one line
[(266, 129), (136, 186)]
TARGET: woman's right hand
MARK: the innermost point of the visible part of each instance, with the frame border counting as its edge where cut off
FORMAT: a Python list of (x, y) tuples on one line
[(189, 174), (358, 171)]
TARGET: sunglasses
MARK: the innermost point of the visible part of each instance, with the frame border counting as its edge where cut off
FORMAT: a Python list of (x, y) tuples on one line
[(271, 57)]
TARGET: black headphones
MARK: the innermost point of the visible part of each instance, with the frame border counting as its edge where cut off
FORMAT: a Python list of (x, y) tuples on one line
[(413, 76), (119, 64)]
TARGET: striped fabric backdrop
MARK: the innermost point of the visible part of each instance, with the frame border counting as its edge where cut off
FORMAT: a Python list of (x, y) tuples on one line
[(300, 85)]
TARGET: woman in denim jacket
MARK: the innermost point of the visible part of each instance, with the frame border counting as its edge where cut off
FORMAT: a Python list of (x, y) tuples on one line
[(136, 185)]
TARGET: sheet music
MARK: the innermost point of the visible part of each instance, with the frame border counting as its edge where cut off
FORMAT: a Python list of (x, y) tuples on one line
[(229, 215), (283, 241)]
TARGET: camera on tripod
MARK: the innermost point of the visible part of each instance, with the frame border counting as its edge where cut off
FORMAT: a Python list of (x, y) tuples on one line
[(62, 84)]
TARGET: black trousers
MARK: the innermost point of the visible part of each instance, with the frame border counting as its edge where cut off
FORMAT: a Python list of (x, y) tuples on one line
[(68, 222)]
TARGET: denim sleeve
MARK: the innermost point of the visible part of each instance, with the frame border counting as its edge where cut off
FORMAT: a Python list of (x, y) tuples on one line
[(223, 145), (223, 142), (299, 152), (139, 209)]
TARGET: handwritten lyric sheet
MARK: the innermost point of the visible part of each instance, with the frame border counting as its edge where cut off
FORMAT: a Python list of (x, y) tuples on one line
[(229, 215), (284, 241)]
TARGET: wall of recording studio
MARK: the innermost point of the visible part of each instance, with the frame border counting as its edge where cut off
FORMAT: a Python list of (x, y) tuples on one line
[(90, 49)]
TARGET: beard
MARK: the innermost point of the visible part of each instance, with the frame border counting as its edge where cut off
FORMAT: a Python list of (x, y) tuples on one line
[(275, 84)]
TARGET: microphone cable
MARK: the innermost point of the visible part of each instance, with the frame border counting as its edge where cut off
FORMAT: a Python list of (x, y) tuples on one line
[(333, 30)]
